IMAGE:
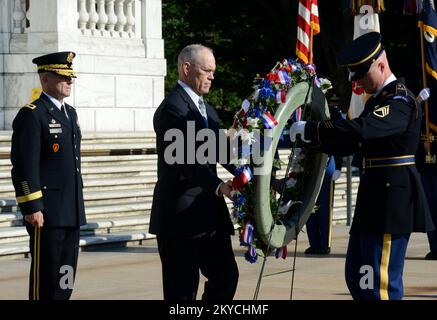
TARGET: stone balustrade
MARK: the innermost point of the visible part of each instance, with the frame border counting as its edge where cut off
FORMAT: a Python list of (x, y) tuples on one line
[(19, 18), (110, 18), (120, 58), (102, 18)]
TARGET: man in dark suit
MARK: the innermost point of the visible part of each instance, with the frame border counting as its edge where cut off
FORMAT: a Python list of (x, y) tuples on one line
[(391, 203), (189, 215), (45, 156)]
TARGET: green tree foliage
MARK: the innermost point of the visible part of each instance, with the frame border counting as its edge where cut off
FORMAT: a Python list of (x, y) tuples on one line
[(249, 36)]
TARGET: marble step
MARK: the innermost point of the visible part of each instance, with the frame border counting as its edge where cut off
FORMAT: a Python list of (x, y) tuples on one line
[(97, 226), (108, 209), (5, 164), (123, 207), (21, 248), (116, 225), (17, 249), (143, 193), (115, 238), (13, 234), (10, 219)]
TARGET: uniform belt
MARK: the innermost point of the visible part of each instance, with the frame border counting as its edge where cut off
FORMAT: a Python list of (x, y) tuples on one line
[(388, 162)]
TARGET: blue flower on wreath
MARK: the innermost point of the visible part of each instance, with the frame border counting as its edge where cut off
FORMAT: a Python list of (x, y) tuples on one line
[(239, 170), (238, 215), (266, 92), (238, 199), (250, 255), (254, 113)]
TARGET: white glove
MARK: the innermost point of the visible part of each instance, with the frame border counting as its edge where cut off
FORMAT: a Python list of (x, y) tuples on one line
[(336, 175), (298, 128)]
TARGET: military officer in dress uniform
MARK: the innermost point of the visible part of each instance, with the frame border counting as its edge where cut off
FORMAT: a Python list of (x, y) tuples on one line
[(45, 156), (391, 202)]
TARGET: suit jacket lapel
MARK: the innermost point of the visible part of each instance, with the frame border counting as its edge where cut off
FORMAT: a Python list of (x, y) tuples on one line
[(213, 121), (191, 106), (54, 111)]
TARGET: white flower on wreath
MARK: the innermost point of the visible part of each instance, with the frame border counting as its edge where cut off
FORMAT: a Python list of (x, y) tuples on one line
[(325, 85), (243, 161), (246, 136), (252, 122)]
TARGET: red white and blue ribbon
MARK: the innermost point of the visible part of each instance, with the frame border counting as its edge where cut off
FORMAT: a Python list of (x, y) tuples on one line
[(244, 175), (269, 121), (293, 68), (280, 96), (298, 114), (281, 252), (251, 254), (247, 236), (283, 77)]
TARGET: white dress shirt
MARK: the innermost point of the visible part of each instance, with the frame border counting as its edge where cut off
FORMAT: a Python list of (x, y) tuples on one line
[(57, 103), (194, 96)]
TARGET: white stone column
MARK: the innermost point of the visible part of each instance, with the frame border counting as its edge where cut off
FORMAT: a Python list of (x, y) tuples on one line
[(5, 36), (2, 94), (55, 31), (5, 25), (152, 28), (120, 59)]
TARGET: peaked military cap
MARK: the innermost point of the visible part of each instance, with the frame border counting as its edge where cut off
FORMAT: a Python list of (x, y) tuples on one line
[(359, 55), (58, 62)]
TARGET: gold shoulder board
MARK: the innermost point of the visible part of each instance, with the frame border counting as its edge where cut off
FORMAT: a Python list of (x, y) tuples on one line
[(30, 106)]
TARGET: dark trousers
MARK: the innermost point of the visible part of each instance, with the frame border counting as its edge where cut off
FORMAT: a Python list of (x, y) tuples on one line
[(182, 259), (319, 224), (54, 254), (374, 266), (429, 182)]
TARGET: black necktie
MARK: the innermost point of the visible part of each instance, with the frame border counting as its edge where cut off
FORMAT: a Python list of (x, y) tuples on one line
[(64, 111)]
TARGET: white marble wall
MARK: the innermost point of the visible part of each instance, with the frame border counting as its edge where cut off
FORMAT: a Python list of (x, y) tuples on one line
[(2, 96), (120, 81), (118, 103)]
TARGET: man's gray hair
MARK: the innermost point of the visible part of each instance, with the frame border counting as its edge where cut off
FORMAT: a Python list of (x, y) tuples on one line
[(189, 54)]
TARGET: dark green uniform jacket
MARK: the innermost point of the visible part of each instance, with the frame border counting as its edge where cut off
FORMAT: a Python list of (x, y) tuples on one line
[(390, 196), (46, 170)]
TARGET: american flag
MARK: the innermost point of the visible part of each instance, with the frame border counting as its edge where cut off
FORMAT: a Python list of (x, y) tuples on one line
[(307, 20), (428, 23)]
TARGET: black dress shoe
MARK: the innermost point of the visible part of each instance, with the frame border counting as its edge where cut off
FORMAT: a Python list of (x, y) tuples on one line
[(318, 250), (432, 255), (310, 250)]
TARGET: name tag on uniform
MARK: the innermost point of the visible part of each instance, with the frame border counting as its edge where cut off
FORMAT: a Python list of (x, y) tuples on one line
[(54, 125), (57, 130)]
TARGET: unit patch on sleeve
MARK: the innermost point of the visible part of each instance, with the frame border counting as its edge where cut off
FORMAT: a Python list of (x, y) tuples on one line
[(382, 112)]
